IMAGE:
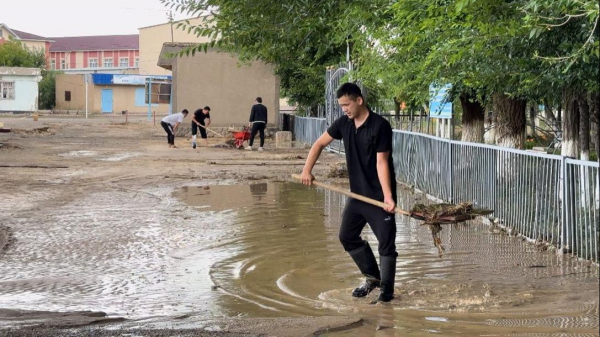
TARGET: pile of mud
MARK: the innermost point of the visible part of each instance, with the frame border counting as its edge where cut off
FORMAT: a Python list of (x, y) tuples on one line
[(337, 170), (6, 238), (7, 146), (42, 130)]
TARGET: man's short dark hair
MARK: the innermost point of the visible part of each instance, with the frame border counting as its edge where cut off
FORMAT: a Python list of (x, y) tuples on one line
[(207, 108), (259, 99), (349, 89), (185, 111)]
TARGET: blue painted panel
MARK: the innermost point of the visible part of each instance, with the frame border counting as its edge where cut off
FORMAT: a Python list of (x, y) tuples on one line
[(102, 79), (140, 97), (107, 100)]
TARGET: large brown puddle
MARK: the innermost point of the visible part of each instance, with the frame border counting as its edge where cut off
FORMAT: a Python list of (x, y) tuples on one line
[(271, 250)]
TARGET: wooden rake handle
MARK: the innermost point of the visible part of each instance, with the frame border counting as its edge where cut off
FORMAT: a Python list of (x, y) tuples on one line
[(351, 194), (216, 133)]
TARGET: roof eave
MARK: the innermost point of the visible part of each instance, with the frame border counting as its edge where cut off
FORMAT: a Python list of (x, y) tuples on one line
[(88, 50)]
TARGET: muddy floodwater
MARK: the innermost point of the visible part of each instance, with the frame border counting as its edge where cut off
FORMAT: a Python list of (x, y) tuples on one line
[(204, 253)]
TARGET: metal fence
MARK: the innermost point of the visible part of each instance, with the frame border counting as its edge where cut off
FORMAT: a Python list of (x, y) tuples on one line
[(546, 198), (522, 187), (308, 130), (422, 162), (411, 122), (582, 208)]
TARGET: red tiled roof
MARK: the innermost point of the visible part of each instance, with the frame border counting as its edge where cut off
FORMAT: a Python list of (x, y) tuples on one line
[(27, 36), (104, 42)]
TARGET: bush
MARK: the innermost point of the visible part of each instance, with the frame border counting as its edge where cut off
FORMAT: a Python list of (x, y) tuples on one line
[(47, 90)]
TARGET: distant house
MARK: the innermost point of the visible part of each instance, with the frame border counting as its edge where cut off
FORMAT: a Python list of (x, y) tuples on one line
[(19, 89), (111, 93), (29, 40), (95, 54), (83, 54)]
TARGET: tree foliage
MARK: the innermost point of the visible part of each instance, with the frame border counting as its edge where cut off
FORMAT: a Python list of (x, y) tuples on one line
[(298, 37), (14, 54), (528, 50), (47, 90)]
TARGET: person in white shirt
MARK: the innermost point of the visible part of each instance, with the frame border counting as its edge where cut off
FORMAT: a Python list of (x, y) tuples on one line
[(170, 124)]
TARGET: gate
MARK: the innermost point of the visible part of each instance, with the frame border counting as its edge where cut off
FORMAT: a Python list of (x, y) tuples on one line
[(333, 79)]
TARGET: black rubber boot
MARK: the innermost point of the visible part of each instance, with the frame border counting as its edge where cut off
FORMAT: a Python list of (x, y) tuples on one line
[(388, 277), (366, 262)]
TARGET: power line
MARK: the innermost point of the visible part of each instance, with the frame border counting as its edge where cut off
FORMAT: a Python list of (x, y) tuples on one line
[(144, 9)]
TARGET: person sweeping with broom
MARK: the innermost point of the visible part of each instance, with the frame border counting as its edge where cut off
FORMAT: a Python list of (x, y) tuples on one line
[(368, 143)]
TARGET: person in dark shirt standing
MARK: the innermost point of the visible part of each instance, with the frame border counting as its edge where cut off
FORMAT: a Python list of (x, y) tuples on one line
[(368, 143), (258, 121), (200, 120)]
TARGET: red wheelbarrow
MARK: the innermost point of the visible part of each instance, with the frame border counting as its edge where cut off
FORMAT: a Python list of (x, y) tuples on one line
[(240, 136)]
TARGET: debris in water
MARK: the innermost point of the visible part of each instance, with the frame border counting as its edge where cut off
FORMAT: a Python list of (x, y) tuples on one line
[(437, 214)]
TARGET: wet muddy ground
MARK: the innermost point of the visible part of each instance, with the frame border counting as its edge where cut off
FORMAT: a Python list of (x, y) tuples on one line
[(115, 234)]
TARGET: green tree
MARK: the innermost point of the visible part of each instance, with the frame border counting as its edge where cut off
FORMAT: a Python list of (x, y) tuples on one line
[(510, 53), (569, 49), (299, 38), (487, 49), (47, 90), (14, 54)]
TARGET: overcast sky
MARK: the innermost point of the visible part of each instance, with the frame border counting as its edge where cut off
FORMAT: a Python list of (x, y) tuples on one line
[(57, 18)]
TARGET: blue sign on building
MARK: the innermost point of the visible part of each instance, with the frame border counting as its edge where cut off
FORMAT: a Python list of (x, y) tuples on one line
[(109, 79), (439, 106)]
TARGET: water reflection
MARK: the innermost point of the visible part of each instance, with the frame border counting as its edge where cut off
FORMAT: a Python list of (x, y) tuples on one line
[(258, 191), (272, 250)]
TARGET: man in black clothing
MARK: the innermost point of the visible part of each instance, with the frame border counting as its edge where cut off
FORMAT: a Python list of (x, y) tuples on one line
[(200, 120), (258, 121), (368, 144)]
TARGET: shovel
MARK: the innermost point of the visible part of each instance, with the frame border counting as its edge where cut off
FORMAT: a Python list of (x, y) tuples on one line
[(216, 133), (433, 215)]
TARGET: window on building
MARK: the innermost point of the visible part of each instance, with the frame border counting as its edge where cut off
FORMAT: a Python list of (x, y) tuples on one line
[(124, 62), (53, 64), (63, 64), (67, 96), (161, 93), (108, 62), (93, 63), (7, 90), (137, 62)]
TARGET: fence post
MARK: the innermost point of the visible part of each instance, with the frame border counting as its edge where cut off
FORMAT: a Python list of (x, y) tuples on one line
[(563, 204), (450, 172)]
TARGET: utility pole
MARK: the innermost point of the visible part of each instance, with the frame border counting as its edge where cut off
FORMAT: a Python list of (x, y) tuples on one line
[(170, 16), (86, 77)]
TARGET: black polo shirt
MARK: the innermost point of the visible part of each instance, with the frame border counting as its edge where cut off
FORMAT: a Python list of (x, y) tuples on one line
[(362, 145), (200, 116)]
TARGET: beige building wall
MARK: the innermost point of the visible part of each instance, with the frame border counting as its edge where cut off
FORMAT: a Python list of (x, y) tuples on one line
[(76, 85), (4, 33), (219, 81), (152, 39), (35, 45), (79, 59), (124, 99)]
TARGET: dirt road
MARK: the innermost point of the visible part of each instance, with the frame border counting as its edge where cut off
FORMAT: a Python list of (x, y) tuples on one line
[(107, 231)]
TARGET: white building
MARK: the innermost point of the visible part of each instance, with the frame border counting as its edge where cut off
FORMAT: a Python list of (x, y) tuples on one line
[(19, 89)]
